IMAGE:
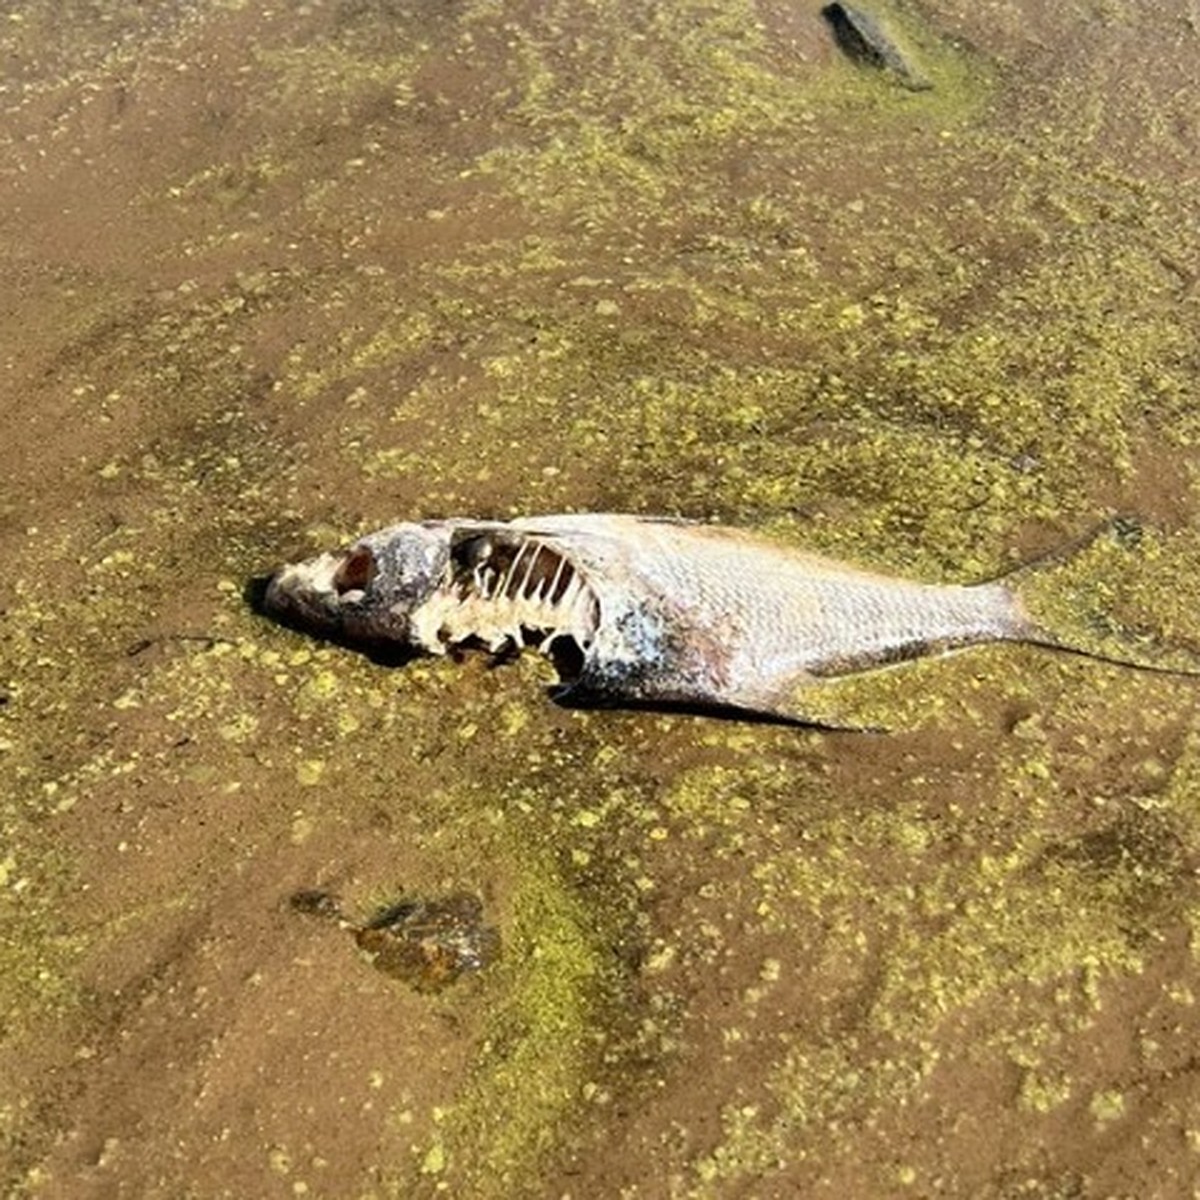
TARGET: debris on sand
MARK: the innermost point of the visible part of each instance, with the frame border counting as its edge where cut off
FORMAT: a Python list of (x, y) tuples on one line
[(429, 943), (862, 38)]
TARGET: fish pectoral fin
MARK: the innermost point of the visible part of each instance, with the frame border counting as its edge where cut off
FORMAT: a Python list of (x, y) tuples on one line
[(800, 701), (777, 708), (816, 717), (825, 721)]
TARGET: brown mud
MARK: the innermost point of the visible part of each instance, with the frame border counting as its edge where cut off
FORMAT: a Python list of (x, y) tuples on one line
[(276, 274)]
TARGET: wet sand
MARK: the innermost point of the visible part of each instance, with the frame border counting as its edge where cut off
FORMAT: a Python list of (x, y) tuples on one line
[(278, 275)]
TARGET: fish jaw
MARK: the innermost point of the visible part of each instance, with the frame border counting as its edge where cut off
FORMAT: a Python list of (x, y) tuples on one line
[(367, 593), (304, 594)]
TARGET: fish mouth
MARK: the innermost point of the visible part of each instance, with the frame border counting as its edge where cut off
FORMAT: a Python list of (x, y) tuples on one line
[(254, 594), (322, 598), (304, 594), (321, 591)]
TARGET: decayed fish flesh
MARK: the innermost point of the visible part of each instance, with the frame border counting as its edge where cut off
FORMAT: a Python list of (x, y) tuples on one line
[(639, 611)]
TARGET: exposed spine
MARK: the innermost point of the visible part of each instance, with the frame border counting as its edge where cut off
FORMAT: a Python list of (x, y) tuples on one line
[(535, 597)]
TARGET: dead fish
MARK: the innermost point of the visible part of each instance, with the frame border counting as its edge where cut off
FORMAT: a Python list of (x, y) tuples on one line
[(645, 612), (863, 39)]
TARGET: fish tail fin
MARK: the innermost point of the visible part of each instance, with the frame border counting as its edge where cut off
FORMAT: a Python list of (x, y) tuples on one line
[(1091, 597)]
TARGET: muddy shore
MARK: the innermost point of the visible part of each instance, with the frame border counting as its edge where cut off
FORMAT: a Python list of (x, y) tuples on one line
[(279, 274)]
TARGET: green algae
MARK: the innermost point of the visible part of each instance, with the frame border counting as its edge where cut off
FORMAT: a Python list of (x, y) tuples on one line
[(890, 401), (36, 955), (801, 352), (705, 86), (330, 77), (72, 634), (940, 940), (540, 1041)]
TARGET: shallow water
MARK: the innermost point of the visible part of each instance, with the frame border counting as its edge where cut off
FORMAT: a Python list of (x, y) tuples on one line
[(279, 275)]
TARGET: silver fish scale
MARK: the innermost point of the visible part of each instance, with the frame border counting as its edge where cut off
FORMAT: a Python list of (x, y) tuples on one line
[(777, 612)]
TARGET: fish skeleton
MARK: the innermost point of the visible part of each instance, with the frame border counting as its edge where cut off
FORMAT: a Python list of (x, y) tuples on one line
[(643, 611)]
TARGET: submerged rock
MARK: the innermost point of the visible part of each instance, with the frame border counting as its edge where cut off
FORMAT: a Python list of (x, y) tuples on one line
[(862, 38), (429, 943)]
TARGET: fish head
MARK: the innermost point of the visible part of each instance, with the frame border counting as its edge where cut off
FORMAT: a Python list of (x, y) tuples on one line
[(366, 593)]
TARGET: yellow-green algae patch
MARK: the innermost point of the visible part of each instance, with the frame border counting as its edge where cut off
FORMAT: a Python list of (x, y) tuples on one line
[(706, 87), (720, 312), (1126, 594), (35, 953), (77, 661), (1023, 912), (934, 431), (541, 1039)]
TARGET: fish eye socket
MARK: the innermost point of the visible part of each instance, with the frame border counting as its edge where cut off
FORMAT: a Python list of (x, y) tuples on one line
[(356, 571)]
